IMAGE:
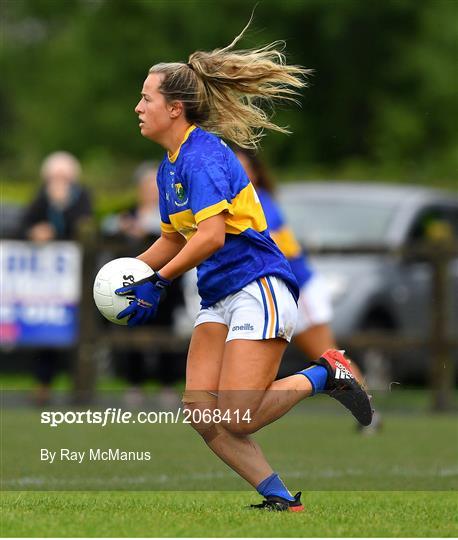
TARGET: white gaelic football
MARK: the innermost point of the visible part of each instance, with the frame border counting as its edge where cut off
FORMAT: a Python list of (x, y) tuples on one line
[(115, 274)]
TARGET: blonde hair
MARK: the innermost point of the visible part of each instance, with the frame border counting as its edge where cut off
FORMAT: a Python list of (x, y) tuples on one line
[(232, 93)]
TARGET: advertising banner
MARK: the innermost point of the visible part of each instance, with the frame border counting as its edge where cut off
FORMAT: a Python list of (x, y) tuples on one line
[(40, 293)]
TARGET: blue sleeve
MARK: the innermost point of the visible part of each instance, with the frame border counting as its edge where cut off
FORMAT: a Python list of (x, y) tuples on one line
[(274, 217), (210, 190)]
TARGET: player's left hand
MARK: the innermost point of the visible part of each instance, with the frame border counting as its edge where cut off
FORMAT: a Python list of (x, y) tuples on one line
[(147, 294)]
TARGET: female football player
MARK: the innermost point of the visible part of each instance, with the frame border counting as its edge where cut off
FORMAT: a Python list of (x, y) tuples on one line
[(212, 219), (313, 333)]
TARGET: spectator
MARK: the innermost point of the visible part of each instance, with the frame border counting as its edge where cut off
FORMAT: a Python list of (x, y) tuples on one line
[(55, 213), (142, 219), (61, 203)]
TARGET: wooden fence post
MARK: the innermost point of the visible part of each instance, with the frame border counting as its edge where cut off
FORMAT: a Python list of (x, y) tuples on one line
[(442, 368), (85, 370)]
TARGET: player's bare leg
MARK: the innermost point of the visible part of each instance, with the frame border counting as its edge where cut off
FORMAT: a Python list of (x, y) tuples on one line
[(246, 383), (240, 390), (205, 359), (248, 367)]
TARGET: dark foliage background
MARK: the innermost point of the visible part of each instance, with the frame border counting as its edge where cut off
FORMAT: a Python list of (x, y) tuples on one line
[(382, 104)]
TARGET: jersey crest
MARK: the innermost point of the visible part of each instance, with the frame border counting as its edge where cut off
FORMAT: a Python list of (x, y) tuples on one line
[(181, 198)]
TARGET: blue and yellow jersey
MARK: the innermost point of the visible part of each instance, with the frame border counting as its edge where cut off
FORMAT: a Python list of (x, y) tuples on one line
[(202, 179), (284, 237)]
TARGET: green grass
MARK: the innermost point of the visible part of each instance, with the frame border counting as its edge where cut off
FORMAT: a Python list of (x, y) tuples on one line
[(222, 514), (400, 482), (63, 383), (314, 451)]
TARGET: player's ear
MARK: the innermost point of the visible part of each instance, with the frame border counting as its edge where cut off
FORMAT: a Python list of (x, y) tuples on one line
[(175, 108)]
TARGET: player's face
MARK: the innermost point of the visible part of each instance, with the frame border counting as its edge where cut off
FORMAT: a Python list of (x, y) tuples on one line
[(152, 110)]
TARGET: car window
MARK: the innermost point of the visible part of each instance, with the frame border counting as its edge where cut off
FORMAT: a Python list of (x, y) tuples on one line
[(434, 223), (338, 223), (453, 216)]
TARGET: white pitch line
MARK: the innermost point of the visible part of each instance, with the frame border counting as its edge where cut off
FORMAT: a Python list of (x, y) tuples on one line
[(165, 478)]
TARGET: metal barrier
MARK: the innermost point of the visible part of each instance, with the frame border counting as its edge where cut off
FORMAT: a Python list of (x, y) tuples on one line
[(439, 343)]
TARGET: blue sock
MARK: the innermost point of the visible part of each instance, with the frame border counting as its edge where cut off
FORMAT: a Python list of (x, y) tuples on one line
[(318, 376), (273, 485)]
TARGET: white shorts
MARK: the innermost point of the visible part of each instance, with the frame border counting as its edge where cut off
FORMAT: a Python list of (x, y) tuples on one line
[(264, 309), (314, 305)]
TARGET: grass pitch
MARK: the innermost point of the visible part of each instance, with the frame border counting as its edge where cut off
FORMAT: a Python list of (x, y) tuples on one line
[(400, 482), (221, 514)]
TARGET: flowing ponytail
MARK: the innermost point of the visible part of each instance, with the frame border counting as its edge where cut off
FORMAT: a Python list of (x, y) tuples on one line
[(233, 93)]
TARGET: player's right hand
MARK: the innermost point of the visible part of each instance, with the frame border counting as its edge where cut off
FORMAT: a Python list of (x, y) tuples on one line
[(147, 294)]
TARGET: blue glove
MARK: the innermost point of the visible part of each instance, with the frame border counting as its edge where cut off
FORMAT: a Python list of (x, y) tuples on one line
[(147, 294)]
